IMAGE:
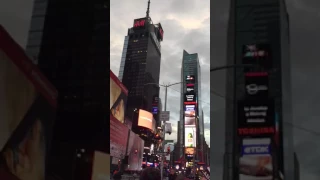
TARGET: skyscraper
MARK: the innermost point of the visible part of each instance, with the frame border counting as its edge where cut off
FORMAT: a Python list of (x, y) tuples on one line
[(141, 69), (73, 54), (191, 97), (261, 94)]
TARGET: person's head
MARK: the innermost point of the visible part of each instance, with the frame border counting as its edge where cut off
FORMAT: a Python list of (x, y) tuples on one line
[(150, 173)]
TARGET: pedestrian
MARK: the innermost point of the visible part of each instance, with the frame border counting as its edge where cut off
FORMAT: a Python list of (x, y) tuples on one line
[(150, 173), (172, 175)]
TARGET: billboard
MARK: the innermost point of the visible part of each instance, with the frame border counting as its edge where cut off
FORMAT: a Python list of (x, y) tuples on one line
[(256, 113), (118, 143), (189, 97), (27, 108), (256, 160), (145, 119), (101, 166), (190, 137), (139, 23), (190, 79), (190, 117), (118, 98), (189, 150), (258, 54), (257, 87), (190, 89), (160, 32)]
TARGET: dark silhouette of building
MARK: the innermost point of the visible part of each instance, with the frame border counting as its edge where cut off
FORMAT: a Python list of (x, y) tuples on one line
[(141, 69), (69, 42)]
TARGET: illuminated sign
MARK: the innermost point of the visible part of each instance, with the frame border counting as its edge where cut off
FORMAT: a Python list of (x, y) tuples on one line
[(255, 149), (139, 23), (155, 110), (190, 97), (161, 32), (256, 131), (190, 85), (190, 137), (190, 78), (190, 107), (253, 51), (190, 102), (257, 54), (189, 89), (189, 150), (190, 118)]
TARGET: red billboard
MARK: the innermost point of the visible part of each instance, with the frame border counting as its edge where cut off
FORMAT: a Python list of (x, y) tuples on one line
[(118, 143), (118, 98), (27, 108)]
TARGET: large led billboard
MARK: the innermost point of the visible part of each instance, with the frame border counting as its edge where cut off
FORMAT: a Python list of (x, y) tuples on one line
[(256, 159), (118, 143), (190, 117), (139, 23), (190, 137), (256, 113), (101, 166), (118, 98), (256, 86), (189, 151), (145, 119), (258, 54), (190, 79), (27, 108), (190, 98)]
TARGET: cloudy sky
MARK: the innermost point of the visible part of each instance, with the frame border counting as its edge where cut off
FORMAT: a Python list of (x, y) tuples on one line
[(186, 26), (179, 35)]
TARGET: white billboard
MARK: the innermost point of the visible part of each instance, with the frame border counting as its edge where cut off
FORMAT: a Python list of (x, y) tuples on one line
[(190, 137)]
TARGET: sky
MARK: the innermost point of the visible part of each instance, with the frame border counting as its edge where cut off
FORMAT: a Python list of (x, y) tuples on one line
[(186, 26), (305, 42)]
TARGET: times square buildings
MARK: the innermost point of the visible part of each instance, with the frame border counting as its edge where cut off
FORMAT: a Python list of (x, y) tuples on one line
[(260, 109)]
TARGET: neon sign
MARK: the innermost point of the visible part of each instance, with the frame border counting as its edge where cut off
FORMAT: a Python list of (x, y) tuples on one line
[(256, 131), (139, 23), (256, 74)]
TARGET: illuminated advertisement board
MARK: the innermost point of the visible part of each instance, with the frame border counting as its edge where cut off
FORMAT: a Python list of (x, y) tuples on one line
[(190, 89), (256, 113), (118, 98), (190, 118), (28, 108), (190, 137), (190, 79), (145, 119), (259, 54), (160, 32), (256, 159), (256, 87), (190, 98), (189, 151), (139, 23)]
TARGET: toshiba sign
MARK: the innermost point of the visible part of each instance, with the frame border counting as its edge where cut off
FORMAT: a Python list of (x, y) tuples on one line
[(145, 119)]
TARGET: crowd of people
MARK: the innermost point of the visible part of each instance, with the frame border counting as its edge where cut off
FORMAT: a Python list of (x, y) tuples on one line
[(152, 173)]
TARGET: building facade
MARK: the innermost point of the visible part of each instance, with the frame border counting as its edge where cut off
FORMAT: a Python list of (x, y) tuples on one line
[(73, 54), (191, 98), (258, 35), (141, 69), (123, 57)]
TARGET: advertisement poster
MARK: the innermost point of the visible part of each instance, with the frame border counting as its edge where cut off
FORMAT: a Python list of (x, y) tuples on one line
[(190, 79), (259, 54), (190, 118), (256, 113), (118, 98), (136, 153), (189, 151), (257, 87), (190, 137), (256, 159), (145, 119), (27, 107), (118, 143), (101, 166)]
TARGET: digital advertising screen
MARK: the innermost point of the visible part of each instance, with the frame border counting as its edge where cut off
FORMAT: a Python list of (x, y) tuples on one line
[(190, 79), (257, 87), (190, 98), (189, 151), (256, 113), (139, 23), (28, 108), (101, 166), (190, 137), (256, 160), (190, 118), (190, 89), (145, 119), (118, 144), (118, 98), (154, 110), (259, 54)]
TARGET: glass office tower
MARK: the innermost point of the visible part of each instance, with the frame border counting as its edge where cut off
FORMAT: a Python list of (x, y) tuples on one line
[(191, 78), (258, 35), (141, 69)]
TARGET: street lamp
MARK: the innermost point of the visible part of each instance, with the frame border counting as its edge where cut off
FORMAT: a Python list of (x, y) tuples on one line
[(164, 123)]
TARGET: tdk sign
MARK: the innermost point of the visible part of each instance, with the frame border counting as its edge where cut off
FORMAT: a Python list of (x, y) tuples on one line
[(255, 149)]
